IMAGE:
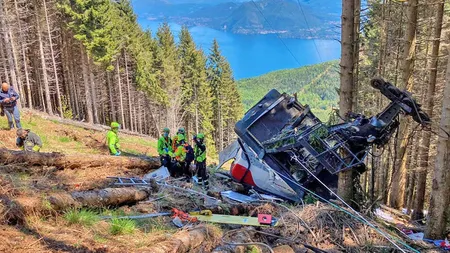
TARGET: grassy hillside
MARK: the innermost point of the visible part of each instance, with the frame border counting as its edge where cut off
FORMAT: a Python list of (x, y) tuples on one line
[(316, 86), (67, 139)]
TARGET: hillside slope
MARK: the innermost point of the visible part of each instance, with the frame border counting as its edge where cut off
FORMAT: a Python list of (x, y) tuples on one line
[(316, 86), (69, 139)]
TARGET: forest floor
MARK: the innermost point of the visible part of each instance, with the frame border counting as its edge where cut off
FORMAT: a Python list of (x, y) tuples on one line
[(28, 223)]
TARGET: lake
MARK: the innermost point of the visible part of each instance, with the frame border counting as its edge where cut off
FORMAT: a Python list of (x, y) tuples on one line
[(254, 55)]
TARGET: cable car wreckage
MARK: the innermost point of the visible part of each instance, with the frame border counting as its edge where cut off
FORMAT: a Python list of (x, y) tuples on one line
[(282, 148)]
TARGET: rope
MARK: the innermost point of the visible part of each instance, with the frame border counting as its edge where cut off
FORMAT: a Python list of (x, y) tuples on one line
[(358, 215), (309, 29)]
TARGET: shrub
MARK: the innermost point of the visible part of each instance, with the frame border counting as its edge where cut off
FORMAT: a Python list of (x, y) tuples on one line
[(122, 226), (83, 217)]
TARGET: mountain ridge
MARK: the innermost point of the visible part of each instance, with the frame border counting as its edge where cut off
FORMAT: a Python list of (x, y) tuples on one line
[(289, 18)]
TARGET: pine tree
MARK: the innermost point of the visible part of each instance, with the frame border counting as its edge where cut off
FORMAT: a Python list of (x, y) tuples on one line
[(226, 102), (168, 67), (216, 82)]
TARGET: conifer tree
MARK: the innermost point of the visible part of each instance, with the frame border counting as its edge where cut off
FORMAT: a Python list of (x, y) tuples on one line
[(216, 82), (168, 67), (226, 102)]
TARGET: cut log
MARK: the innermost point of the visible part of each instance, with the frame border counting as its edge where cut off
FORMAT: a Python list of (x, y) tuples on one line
[(78, 161), (201, 237), (97, 198)]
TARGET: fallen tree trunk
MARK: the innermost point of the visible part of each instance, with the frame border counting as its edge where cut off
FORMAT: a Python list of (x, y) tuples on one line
[(394, 211), (198, 239), (77, 161), (98, 198)]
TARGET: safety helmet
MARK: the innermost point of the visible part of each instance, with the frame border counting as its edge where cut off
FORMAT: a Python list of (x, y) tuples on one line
[(115, 125), (201, 136), (180, 138), (166, 130), (181, 130)]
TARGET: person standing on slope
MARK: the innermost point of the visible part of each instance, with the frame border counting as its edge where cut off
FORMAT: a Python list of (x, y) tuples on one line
[(179, 157), (8, 101), (200, 160), (28, 141), (174, 140), (112, 139), (165, 148)]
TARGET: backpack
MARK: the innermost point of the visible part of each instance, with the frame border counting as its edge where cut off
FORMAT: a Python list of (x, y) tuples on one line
[(189, 154)]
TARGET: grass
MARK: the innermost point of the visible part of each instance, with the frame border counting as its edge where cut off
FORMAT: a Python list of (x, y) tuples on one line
[(100, 239), (253, 249), (122, 226), (113, 212), (82, 217), (64, 139), (54, 139), (46, 205)]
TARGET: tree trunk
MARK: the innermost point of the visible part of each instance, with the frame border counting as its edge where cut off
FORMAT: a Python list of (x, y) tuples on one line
[(111, 98), (24, 58), (15, 58), (93, 91), (119, 83), (68, 81), (356, 27), (130, 111), (9, 48), (399, 177), (429, 104), (97, 198), (139, 113), (198, 239), (72, 70), (345, 182), (48, 101), (440, 197), (52, 54), (5, 64), (220, 119), (89, 114)]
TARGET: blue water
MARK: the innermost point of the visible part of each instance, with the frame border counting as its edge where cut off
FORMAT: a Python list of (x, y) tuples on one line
[(254, 55)]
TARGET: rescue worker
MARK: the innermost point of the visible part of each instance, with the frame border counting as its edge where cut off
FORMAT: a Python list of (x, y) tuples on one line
[(28, 141), (165, 148), (179, 156), (8, 101), (112, 139), (182, 131), (200, 160), (174, 140)]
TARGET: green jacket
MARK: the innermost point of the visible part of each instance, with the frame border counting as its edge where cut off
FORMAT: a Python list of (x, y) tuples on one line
[(113, 142), (180, 154), (163, 144), (200, 152)]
